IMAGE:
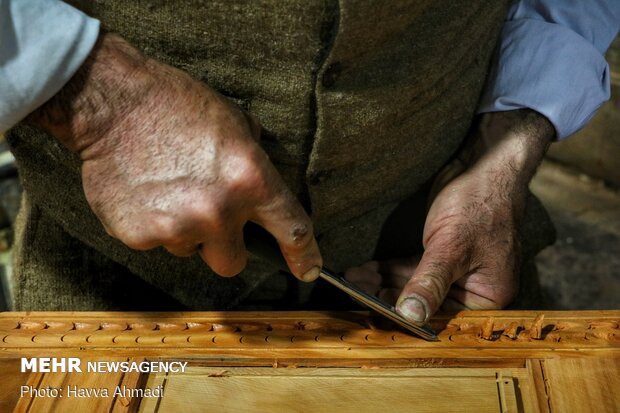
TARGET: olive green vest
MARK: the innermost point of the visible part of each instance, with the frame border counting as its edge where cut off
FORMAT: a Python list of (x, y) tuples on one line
[(349, 93), (361, 103)]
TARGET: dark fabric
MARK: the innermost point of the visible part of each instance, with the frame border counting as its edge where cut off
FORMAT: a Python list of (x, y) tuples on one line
[(51, 179), (53, 271), (395, 98), (361, 103), (262, 54), (262, 57)]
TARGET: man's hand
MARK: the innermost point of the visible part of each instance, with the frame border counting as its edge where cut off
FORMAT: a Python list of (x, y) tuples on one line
[(169, 161), (471, 233)]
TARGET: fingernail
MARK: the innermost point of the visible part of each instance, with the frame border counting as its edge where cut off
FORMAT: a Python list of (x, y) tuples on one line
[(311, 275), (412, 309)]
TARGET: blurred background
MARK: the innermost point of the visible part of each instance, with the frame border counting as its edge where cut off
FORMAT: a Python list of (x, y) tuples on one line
[(579, 184)]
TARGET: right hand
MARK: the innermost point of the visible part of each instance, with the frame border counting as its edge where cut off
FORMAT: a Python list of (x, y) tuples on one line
[(180, 166)]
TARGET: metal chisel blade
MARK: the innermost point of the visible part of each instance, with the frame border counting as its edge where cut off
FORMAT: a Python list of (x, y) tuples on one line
[(260, 243), (422, 330)]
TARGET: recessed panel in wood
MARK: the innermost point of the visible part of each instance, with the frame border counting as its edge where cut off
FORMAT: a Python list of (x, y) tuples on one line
[(343, 390)]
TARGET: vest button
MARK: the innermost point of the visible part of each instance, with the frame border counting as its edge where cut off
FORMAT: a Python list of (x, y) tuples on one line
[(331, 74)]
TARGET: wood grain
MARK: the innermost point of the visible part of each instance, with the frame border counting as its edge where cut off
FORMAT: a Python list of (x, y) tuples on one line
[(583, 385), (10, 382), (264, 389), (313, 335), (500, 361), (79, 391)]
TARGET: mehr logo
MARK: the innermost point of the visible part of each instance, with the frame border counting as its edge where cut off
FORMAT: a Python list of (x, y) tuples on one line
[(50, 365)]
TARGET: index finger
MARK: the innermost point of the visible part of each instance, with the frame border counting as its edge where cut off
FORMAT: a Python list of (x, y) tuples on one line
[(287, 221)]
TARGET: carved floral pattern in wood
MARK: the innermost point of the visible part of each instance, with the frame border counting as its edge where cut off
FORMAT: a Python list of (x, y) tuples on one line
[(315, 333), (515, 361)]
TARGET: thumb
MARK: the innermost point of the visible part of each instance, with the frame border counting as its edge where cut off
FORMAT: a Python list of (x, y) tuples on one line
[(423, 294)]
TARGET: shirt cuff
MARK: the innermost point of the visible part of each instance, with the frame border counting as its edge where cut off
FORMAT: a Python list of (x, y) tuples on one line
[(42, 45), (548, 68)]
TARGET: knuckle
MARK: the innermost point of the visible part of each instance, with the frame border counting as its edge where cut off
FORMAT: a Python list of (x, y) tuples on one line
[(182, 250), (210, 211), (226, 255), (433, 282), (436, 283), (167, 231), (227, 267), (247, 172), (135, 240)]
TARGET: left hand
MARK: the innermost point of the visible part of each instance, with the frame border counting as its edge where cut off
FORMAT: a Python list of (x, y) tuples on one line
[(471, 232)]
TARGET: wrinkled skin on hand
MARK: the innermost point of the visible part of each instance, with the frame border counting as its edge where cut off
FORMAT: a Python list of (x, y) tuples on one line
[(471, 232), (168, 161), (469, 259)]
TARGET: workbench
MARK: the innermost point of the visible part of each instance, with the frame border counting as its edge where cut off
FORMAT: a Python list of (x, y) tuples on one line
[(484, 361)]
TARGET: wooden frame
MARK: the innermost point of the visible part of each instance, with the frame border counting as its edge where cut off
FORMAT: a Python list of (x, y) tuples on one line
[(505, 361)]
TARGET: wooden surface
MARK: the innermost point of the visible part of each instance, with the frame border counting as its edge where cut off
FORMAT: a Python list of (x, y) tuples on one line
[(574, 383), (312, 361), (348, 390)]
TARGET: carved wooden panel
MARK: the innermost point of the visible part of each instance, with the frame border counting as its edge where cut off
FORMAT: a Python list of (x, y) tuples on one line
[(346, 390), (312, 361)]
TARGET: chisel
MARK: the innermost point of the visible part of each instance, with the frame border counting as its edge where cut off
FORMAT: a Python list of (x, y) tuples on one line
[(263, 245)]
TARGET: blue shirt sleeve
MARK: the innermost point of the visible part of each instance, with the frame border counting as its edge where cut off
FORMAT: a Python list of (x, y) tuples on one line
[(42, 44), (551, 59)]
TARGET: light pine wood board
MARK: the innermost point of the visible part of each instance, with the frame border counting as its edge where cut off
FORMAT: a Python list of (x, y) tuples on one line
[(583, 385), (505, 361), (345, 390), (312, 335), (87, 391)]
